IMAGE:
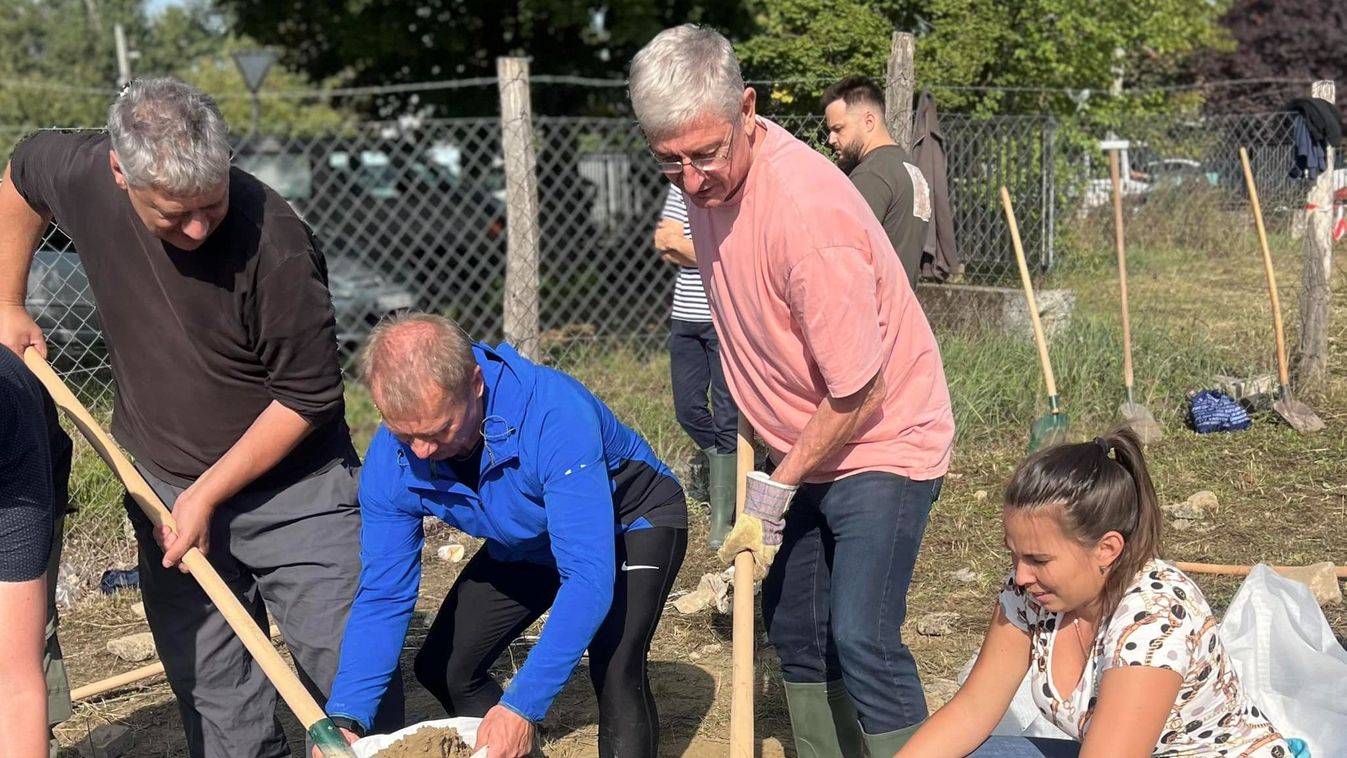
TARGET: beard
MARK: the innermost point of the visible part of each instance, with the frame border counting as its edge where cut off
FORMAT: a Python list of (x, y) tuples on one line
[(848, 156)]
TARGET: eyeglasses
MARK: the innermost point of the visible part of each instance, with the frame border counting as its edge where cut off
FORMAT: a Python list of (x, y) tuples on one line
[(701, 165)]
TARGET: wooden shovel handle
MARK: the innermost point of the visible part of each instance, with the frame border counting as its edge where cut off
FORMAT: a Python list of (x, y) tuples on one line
[(1282, 371), (1237, 570), (741, 703), (254, 639), (1029, 293), (1122, 265)]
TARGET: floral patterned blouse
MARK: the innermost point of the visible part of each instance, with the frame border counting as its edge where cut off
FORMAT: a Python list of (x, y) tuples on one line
[(1162, 621)]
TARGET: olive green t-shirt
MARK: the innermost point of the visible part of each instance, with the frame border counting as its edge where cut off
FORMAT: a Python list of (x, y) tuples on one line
[(899, 195)]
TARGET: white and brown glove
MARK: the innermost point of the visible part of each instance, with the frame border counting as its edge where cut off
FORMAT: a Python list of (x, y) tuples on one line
[(758, 529)]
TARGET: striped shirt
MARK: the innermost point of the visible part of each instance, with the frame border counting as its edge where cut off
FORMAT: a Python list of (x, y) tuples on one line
[(689, 300)]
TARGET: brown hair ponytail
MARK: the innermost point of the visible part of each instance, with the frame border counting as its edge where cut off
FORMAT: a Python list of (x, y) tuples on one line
[(1100, 487)]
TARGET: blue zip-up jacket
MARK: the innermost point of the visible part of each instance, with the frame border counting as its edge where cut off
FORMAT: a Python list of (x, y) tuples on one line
[(545, 496)]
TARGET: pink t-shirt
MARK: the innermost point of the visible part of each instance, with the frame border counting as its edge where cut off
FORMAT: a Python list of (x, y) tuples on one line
[(810, 300)]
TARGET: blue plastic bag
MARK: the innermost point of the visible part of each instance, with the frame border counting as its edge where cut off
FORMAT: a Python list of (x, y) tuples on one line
[(1214, 411)]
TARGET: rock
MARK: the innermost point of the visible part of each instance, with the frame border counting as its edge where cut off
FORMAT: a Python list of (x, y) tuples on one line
[(712, 592), (106, 741), (133, 648), (138, 610), (937, 624), (451, 553), (1321, 578), (1205, 500), (965, 575), (1195, 508), (980, 495), (939, 692)]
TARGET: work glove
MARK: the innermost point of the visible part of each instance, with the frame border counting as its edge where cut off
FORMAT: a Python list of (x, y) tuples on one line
[(758, 529)]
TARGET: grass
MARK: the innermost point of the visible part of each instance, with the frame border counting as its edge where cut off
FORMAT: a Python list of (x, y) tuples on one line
[(1198, 309)]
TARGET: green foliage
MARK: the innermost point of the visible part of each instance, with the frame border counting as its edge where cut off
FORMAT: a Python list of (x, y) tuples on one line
[(390, 42), (1035, 45), (59, 67), (802, 43)]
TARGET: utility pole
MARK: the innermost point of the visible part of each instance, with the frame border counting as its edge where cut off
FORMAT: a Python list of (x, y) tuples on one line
[(123, 56)]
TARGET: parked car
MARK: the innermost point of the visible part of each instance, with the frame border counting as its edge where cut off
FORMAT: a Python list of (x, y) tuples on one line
[(390, 204), (60, 302)]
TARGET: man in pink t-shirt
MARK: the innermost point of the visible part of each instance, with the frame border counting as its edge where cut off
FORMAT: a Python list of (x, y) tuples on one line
[(829, 356)]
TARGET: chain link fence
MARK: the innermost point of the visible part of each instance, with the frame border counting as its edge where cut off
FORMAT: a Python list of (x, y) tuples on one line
[(414, 214)]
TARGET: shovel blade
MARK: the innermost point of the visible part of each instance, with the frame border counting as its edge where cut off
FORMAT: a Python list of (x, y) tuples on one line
[(1301, 417), (1048, 430), (1139, 419)]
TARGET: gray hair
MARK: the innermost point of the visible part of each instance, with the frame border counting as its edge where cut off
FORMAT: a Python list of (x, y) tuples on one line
[(410, 352), (169, 136), (683, 74)]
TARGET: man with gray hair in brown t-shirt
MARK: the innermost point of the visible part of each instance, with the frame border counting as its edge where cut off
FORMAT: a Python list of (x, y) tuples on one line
[(213, 299), (881, 169)]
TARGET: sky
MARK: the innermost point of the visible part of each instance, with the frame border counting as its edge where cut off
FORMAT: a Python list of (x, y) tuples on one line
[(154, 6)]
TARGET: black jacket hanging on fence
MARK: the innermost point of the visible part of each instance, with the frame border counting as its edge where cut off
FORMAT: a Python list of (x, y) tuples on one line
[(1318, 126), (940, 257)]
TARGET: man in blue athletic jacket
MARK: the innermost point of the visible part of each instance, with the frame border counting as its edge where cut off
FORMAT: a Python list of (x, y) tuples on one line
[(578, 515)]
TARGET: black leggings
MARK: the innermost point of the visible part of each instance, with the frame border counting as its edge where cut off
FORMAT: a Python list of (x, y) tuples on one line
[(493, 602)]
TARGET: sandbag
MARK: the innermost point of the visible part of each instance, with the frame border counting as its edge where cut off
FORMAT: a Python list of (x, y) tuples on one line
[(1288, 660)]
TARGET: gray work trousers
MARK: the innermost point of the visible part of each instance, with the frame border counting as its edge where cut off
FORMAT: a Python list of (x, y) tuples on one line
[(293, 551)]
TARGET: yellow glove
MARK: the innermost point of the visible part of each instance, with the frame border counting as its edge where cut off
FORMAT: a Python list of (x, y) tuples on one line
[(748, 534)]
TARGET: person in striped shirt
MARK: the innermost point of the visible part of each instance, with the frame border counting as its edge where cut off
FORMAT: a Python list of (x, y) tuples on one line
[(694, 363)]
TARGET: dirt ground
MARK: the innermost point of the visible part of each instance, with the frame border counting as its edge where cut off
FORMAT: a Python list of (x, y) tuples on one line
[(1282, 500)]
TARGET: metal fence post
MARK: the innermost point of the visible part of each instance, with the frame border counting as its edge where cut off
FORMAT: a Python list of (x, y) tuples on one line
[(1317, 251), (521, 196)]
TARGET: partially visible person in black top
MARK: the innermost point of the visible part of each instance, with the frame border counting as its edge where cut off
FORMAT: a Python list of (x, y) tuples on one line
[(29, 514), (212, 294), (881, 169)]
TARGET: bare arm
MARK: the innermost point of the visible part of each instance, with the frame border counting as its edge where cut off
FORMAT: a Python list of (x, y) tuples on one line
[(1134, 702), (672, 245), (969, 718), (21, 228), (271, 437), (832, 426), (23, 685)]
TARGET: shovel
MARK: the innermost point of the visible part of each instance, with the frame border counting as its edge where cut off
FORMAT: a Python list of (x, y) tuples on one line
[(741, 675), (1134, 414), (1301, 417), (321, 730), (1050, 428)]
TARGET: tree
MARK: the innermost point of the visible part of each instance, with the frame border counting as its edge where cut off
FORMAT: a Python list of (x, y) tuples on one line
[(59, 68), (390, 42), (1016, 55), (1286, 39)]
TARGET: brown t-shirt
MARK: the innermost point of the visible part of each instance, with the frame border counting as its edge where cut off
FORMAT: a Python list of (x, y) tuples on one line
[(201, 341), (897, 192)]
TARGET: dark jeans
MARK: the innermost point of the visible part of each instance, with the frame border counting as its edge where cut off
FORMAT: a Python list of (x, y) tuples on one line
[(493, 602), (694, 363), (836, 595)]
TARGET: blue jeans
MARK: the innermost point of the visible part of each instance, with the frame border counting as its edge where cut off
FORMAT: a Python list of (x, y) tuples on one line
[(695, 369), (1026, 747), (836, 595)]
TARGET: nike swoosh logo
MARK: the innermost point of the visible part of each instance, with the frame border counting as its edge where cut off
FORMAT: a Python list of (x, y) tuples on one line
[(625, 567)]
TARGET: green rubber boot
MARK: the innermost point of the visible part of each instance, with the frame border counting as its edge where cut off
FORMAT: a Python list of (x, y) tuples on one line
[(823, 721), (721, 471), (887, 744)]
